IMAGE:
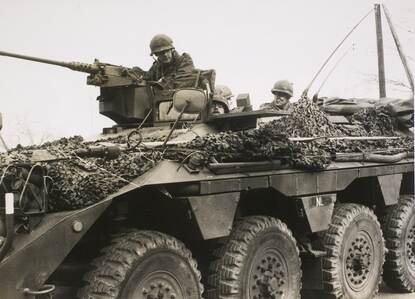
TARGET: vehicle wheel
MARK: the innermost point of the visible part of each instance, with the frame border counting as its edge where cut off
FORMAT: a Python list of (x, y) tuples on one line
[(260, 260), (399, 230), (143, 265), (355, 253)]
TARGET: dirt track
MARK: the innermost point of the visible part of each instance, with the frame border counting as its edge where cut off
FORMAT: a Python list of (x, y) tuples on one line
[(384, 293)]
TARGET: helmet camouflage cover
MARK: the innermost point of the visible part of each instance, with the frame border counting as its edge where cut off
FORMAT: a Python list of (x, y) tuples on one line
[(222, 95), (160, 43), (224, 91)]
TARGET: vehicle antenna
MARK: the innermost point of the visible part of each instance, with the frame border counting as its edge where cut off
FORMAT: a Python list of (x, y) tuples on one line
[(305, 92), (332, 70)]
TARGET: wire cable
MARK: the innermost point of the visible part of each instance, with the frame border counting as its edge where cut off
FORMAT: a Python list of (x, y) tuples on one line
[(305, 92), (332, 70)]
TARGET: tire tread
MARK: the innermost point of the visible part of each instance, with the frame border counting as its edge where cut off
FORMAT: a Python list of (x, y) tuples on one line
[(225, 270), (393, 228), (112, 268), (343, 215)]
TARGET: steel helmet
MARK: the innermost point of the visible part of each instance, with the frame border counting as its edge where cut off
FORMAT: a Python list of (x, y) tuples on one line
[(223, 91), (160, 43), (221, 102), (283, 86)]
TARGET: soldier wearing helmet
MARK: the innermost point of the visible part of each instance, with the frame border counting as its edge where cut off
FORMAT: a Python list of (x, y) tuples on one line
[(168, 63), (282, 91), (221, 99), (223, 91)]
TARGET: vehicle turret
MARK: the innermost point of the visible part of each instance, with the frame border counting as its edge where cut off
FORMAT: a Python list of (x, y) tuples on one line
[(128, 99), (124, 95)]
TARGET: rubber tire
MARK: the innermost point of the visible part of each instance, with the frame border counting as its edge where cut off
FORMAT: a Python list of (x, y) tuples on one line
[(346, 218), (397, 274), (230, 271), (132, 257)]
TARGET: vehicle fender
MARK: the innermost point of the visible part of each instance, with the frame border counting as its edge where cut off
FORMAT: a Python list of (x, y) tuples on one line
[(36, 255)]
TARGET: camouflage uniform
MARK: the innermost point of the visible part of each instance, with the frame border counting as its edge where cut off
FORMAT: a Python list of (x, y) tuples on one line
[(273, 106), (174, 74)]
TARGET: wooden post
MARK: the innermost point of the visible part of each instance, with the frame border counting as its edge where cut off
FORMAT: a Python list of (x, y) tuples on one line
[(400, 50), (381, 62)]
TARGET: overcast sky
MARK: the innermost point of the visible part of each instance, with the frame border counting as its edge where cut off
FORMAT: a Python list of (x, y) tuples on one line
[(250, 44)]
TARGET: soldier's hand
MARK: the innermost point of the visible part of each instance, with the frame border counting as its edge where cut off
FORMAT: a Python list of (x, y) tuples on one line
[(138, 70), (157, 84)]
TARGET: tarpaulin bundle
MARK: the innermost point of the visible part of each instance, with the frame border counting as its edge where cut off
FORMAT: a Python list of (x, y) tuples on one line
[(402, 110)]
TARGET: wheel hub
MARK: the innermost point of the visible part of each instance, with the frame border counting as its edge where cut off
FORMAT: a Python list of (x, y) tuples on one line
[(359, 258), (268, 279), (159, 291), (160, 286), (410, 245)]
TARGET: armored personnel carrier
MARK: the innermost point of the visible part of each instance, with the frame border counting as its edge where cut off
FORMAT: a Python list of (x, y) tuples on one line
[(252, 227), (177, 201)]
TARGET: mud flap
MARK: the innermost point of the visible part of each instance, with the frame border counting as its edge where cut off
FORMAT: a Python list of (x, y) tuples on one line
[(390, 186), (318, 209), (214, 213)]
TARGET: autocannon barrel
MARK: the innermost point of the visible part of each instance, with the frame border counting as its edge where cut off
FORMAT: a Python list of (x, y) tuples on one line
[(76, 66)]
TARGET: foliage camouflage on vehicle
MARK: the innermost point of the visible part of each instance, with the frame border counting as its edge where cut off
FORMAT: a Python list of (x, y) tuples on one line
[(79, 182)]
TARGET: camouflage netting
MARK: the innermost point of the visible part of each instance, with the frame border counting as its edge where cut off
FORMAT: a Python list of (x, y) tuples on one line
[(375, 121), (251, 145), (81, 182), (306, 120)]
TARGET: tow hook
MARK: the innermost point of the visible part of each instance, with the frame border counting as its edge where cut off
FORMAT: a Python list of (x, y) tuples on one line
[(44, 291)]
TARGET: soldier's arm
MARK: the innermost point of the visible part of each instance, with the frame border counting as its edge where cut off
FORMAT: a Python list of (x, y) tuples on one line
[(151, 74), (138, 71), (186, 63)]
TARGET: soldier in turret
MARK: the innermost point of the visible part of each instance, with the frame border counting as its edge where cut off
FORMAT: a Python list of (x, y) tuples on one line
[(222, 98), (169, 66), (282, 91)]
